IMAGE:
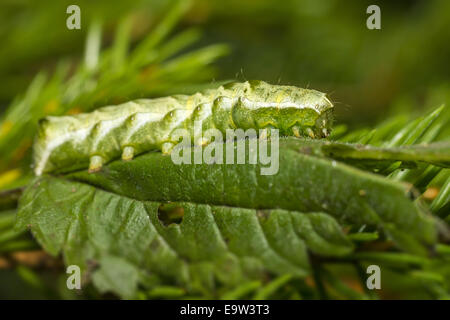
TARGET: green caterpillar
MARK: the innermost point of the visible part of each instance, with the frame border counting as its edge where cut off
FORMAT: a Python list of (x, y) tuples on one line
[(129, 129)]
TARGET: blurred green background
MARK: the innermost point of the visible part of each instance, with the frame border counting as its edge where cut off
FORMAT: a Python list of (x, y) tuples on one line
[(147, 48)]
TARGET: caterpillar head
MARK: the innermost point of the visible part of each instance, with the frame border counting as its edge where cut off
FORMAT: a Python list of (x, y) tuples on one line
[(291, 110)]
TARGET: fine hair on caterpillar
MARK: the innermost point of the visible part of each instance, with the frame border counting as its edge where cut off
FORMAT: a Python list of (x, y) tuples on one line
[(213, 153), (90, 140)]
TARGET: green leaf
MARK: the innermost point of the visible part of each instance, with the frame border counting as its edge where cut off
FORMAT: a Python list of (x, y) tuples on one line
[(167, 292), (437, 153), (411, 133), (112, 237), (242, 290), (209, 226), (272, 287)]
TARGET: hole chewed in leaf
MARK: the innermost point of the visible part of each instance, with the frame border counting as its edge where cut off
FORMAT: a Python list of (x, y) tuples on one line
[(170, 213)]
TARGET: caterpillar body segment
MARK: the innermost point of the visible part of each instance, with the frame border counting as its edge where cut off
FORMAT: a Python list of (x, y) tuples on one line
[(92, 139)]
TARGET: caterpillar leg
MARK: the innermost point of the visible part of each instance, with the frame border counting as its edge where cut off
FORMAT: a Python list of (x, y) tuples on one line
[(296, 131), (127, 153), (310, 133), (95, 164), (167, 147)]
